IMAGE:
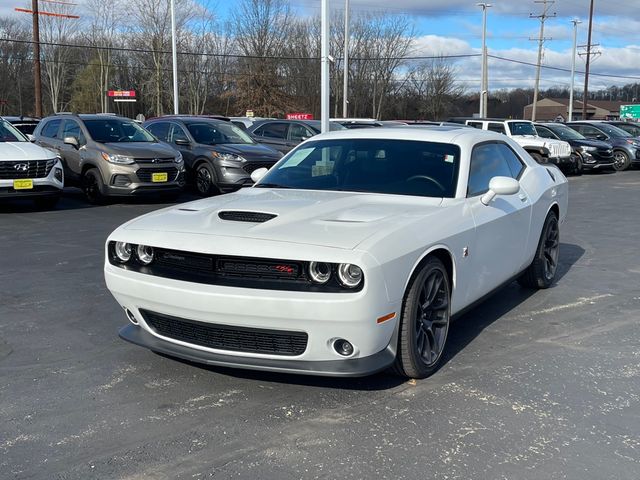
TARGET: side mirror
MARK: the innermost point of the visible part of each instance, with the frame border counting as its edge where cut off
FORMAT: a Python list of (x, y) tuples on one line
[(73, 141), (31, 138), (500, 186), (182, 141), (257, 174), (600, 136)]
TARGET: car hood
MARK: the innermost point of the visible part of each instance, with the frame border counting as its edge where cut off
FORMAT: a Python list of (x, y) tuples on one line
[(590, 143), (331, 219), (249, 151), (24, 151), (141, 149)]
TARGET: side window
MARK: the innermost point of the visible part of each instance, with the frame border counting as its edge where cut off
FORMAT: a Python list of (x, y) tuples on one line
[(475, 124), (160, 130), (50, 130), (591, 132), (496, 127), (298, 133), (487, 162), (578, 128), (544, 132), (275, 130), (72, 129), (515, 164), (177, 133)]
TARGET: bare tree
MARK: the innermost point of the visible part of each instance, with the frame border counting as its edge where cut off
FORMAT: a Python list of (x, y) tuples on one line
[(433, 83)]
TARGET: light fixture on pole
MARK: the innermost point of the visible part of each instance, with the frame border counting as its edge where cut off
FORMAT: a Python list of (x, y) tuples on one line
[(324, 68), (575, 22), (484, 87), (174, 55), (345, 83)]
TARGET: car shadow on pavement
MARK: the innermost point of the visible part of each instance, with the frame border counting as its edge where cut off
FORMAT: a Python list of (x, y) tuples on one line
[(463, 331)]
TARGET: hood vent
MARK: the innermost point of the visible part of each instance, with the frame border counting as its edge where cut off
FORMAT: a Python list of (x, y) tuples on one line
[(250, 217)]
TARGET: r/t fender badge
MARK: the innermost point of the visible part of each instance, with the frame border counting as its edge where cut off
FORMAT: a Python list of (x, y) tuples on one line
[(465, 252)]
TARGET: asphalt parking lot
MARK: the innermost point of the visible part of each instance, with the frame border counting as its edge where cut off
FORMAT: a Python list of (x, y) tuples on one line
[(536, 385)]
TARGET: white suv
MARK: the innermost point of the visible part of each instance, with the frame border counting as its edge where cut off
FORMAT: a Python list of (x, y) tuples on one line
[(28, 170), (543, 150)]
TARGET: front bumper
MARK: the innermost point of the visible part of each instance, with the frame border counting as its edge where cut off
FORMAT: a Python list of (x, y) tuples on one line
[(128, 181), (352, 367), (42, 187)]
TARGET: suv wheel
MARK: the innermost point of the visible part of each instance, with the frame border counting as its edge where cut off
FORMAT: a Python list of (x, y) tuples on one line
[(93, 186), (206, 181), (621, 160)]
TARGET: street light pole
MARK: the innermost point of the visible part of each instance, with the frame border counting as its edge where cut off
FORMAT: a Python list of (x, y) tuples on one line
[(324, 68), (174, 55), (37, 76), (345, 83), (484, 87), (575, 22)]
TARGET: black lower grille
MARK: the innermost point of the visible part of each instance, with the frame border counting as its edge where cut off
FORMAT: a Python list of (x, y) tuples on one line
[(144, 174), (225, 337), (250, 167), (10, 170), (242, 216)]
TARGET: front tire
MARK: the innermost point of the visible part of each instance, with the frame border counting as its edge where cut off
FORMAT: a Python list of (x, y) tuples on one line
[(542, 271), (94, 186), (424, 323), (578, 166), (205, 181), (621, 160)]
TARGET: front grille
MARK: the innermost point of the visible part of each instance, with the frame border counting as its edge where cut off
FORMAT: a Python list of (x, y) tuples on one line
[(144, 174), (226, 337), (153, 161), (25, 169), (250, 217), (251, 167)]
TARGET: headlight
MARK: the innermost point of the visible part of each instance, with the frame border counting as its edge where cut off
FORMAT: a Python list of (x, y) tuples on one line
[(633, 142), (227, 157), (320, 272), (588, 149), (117, 158), (178, 158), (349, 275), (123, 251), (145, 254)]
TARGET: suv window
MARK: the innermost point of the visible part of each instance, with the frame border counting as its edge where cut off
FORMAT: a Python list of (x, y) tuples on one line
[(50, 130), (589, 131), (544, 132), (496, 127), (490, 160), (273, 130), (72, 129), (298, 133), (177, 133), (475, 124), (160, 130)]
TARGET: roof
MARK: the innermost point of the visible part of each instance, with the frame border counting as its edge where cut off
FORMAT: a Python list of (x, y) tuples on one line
[(448, 134)]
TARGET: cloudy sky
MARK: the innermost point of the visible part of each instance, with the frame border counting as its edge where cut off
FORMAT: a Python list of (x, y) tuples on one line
[(454, 27)]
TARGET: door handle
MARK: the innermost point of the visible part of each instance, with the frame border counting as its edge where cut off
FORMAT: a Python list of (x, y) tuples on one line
[(522, 197)]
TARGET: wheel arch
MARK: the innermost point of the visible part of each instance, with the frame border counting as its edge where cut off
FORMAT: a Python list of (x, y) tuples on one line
[(88, 166), (442, 253)]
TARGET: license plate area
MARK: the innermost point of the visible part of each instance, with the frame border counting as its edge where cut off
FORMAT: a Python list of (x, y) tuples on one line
[(23, 184), (158, 177)]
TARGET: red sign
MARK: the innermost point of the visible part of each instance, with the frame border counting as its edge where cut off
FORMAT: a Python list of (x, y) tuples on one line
[(121, 93), (299, 116)]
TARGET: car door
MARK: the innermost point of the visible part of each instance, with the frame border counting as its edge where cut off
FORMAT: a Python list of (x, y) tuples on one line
[(592, 133), (298, 133), (501, 240), (274, 134), (177, 133), (49, 137), (72, 156)]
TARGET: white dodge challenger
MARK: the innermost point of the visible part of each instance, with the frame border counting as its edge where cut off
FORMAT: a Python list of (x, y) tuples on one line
[(348, 257)]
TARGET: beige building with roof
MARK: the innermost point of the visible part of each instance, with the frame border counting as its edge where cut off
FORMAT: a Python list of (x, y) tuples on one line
[(550, 109)]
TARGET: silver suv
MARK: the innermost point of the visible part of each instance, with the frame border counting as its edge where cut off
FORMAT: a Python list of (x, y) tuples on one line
[(107, 155)]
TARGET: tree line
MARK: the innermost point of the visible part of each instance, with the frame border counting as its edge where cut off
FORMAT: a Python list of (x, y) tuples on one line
[(262, 58)]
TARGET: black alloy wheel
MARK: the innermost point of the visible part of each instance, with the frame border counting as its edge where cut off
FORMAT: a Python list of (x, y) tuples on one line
[(578, 165), (93, 186), (621, 160), (426, 315), (205, 180), (542, 271)]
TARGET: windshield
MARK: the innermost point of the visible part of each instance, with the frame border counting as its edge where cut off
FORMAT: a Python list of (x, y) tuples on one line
[(9, 133), (613, 131), (566, 133), (522, 128), (400, 167), (212, 133), (116, 130)]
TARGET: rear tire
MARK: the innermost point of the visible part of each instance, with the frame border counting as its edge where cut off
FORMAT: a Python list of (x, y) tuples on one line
[(93, 187), (424, 323), (542, 271)]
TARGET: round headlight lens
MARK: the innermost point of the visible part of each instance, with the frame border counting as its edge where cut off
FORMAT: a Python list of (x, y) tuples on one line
[(320, 272), (350, 275), (123, 251), (145, 254)]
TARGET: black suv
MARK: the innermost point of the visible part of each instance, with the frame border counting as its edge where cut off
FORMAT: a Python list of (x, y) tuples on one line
[(219, 157), (592, 154)]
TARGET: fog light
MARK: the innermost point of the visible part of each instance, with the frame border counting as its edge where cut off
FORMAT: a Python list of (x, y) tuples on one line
[(320, 272), (123, 251), (145, 254), (343, 347), (57, 173), (350, 275)]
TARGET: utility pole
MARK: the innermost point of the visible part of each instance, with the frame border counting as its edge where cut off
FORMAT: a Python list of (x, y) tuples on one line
[(585, 96), (324, 67), (174, 58), (37, 76), (575, 22), (345, 82), (484, 80), (546, 4)]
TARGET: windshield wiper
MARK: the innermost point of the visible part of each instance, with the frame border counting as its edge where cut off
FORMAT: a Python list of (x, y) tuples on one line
[(271, 185)]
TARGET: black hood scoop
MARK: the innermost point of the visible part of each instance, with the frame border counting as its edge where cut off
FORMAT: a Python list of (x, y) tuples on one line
[(244, 216)]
